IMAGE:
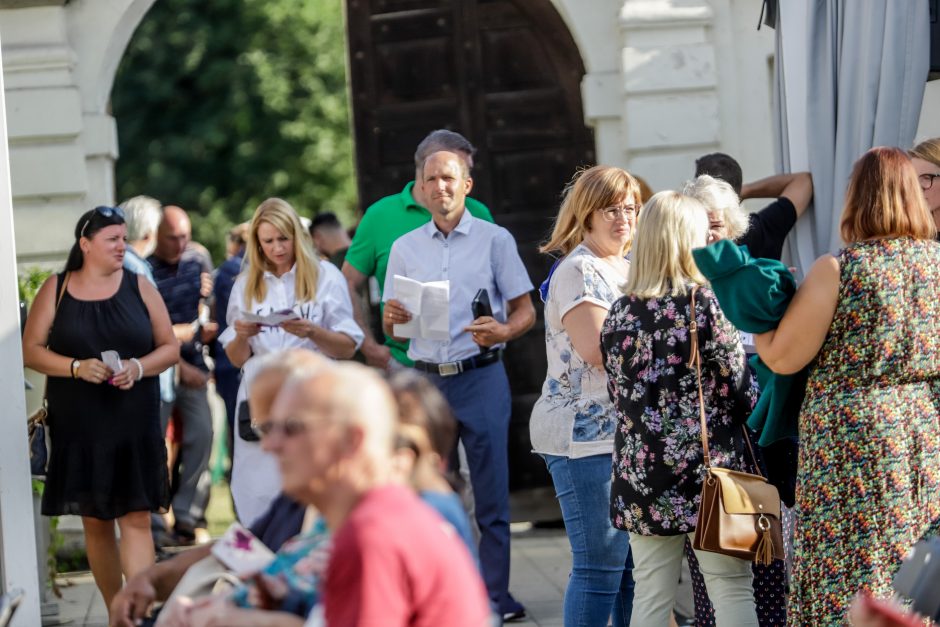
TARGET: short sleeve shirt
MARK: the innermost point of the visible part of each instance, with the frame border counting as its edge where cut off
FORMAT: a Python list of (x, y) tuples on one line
[(475, 255), (768, 229), (384, 222), (397, 563), (574, 416), (179, 285)]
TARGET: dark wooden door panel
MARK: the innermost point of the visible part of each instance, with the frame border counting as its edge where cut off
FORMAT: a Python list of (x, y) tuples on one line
[(507, 75)]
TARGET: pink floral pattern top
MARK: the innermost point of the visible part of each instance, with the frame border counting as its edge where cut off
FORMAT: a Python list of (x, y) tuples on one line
[(658, 462)]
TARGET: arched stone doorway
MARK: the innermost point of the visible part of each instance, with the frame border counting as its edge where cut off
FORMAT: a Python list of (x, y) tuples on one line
[(505, 73)]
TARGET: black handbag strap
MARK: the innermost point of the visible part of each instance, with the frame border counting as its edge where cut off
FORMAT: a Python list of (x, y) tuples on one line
[(58, 301), (696, 359)]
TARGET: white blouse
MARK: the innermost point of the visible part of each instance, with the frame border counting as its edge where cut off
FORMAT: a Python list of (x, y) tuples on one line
[(574, 417), (256, 480)]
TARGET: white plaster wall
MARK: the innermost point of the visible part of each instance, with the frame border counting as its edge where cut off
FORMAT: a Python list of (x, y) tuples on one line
[(929, 125), (59, 65)]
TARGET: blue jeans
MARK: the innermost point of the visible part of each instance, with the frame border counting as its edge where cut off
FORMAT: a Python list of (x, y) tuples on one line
[(601, 581)]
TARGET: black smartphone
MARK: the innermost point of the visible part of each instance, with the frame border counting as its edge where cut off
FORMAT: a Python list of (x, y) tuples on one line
[(480, 305), (918, 578)]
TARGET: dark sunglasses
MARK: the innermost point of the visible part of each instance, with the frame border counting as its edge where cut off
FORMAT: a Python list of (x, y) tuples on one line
[(287, 428), (106, 212)]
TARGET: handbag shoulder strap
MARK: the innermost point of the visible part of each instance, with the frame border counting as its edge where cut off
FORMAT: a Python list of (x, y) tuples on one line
[(58, 301), (696, 359)]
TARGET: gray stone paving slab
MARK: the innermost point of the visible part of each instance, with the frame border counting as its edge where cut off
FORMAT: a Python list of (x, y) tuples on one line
[(540, 565)]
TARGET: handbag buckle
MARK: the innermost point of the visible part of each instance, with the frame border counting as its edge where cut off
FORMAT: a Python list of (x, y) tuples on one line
[(763, 523)]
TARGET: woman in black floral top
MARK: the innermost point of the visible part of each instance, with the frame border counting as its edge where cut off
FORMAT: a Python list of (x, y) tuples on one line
[(658, 459)]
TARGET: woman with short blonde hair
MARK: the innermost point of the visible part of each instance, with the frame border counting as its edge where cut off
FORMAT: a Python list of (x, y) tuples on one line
[(658, 456), (727, 219), (572, 423), (925, 157), (282, 275)]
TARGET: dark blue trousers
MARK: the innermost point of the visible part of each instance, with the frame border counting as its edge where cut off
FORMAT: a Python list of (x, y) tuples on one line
[(481, 402)]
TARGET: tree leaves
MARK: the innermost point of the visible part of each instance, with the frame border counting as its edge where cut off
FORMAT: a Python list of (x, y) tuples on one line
[(223, 103)]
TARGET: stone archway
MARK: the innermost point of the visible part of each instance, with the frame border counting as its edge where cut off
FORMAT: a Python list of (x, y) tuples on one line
[(59, 63)]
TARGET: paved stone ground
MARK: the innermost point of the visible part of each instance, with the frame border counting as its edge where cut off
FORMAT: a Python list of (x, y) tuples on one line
[(540, 565)]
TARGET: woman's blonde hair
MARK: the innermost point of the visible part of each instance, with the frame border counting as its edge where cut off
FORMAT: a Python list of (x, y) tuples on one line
[(884, 199), (928, 150), (717, 195), (670, 226), (279, 214), (594, 188)]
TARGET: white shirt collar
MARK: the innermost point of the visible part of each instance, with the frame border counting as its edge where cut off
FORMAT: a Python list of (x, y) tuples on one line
[(463, 227), (289, 274)]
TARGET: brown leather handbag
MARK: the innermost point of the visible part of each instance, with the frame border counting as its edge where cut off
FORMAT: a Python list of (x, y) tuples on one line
[(740, 512)]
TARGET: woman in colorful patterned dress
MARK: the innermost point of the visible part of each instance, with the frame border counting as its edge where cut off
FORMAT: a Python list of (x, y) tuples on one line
[(572, 423), (869, 321), (658, 456)]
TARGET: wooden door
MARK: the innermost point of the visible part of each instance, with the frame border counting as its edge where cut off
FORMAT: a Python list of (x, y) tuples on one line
[(507, 75)]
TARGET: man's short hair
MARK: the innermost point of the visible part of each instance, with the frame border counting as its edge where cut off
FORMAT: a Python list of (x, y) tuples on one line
[(142, 214), (721, 166), (442, 139), (325, 220)]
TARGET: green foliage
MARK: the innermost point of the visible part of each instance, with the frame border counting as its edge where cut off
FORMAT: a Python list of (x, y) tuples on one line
[(30, 282), (223, 103)]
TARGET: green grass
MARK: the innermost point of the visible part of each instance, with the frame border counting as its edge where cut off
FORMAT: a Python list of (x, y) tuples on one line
[(220, 513)]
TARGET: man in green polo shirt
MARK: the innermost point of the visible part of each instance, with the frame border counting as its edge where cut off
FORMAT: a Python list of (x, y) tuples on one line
[(384, 222)]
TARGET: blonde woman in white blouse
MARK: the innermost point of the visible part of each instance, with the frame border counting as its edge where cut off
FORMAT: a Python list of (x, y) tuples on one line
[(282, 272), (572, 423)]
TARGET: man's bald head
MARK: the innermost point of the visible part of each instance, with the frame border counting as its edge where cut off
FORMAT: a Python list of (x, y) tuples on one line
[(174, 234)]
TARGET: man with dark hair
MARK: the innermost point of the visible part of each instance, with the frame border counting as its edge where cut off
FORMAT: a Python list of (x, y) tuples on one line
[(769, 227), (721, 166), (383, 222), (329, 237)]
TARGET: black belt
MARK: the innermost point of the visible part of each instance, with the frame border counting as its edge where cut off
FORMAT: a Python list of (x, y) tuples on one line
[(450, 368)]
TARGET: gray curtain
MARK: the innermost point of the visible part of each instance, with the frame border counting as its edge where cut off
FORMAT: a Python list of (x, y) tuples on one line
[(866, 65)]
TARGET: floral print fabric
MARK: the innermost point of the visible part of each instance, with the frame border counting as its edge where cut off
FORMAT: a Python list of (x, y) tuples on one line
[(574, 416), (869, 471), (658, 458)]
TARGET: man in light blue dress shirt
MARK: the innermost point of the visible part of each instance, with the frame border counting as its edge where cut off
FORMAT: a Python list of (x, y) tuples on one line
[(471, 254)]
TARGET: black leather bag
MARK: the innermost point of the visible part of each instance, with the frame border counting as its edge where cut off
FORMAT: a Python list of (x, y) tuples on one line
[(38, 442), (245, 430)]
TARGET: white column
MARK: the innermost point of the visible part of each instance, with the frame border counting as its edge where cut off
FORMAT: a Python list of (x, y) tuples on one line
[(17, 542)]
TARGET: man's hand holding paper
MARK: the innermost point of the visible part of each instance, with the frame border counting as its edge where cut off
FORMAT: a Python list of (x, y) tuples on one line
[(419, 310)]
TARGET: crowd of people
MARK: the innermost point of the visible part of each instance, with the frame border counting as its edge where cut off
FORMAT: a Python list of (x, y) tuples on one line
[(677, 341)]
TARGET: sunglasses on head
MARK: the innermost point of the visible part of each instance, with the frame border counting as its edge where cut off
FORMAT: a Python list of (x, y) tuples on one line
[(106, 212)]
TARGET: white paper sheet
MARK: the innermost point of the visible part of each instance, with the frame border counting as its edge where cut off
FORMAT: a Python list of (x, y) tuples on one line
[(272, 319), (429, 307)]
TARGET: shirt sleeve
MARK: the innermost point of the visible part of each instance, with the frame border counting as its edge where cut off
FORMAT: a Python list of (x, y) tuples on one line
[(769, 228), (361, 254), (577, 281), (236, 303), (396, 265), (512, 280), (333, 295)]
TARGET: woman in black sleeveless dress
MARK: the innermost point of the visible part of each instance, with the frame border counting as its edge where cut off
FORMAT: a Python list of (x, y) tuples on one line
[(108, 460)]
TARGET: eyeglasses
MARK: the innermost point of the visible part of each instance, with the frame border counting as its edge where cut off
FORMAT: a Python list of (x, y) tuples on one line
[(288, 428), (926, 180), (627, 211), (106, 212)]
